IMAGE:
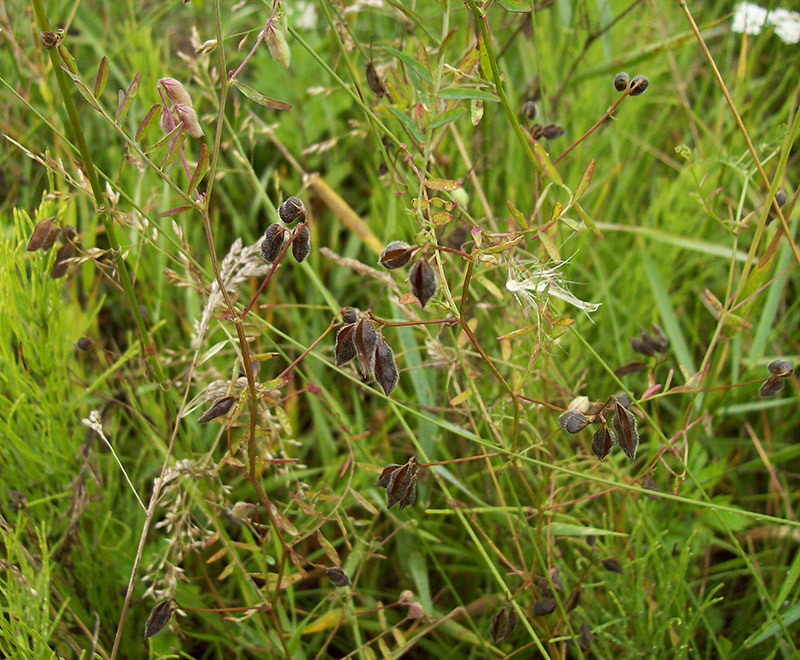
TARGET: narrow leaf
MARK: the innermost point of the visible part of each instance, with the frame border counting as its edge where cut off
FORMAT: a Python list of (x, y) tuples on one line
[(261, 99), (441, 184), (153, 114), (583, 184), (546, 164), (411, 63), (464, 93), (583, 215), (128, 97), (175, 210), (200, 168), (102, 77)]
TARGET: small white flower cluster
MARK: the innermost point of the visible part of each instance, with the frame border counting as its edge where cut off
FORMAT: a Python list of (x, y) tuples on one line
[(751, 18)]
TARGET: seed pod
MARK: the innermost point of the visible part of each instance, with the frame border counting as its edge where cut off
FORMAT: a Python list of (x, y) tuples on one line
[(159, 616), (60, 267), (366, 341), (551, 131), (273, 241), (544, 606), (349, 314), (400, 482), (301, 247), (385, 367), (529, 110), (374, 81), (574, 600), (396, 255), (188, 116), (83, 344), (585, 638), (780, 368), (338, 577), (573, 421), (291, 209), (219, 408), (623, 398), (503, 623), (638, 85), (278, 48), (175, 91), (345, 345), (611, 564), (602, 441), (622, 81), (779, 201), (625, 427), (771, 386), (423, 281), (43, 236)]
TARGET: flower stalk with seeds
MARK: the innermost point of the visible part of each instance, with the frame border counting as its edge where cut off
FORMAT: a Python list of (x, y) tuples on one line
[(359, 338), (780, 370)]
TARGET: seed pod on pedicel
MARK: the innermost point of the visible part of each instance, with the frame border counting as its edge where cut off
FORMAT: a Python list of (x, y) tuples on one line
[(780, 200), (273, 241), (625, 427), (503, 623), (638, 85), (529, 110), (278, 48), (573, 421), (43, 236), (291, 209), (365, 337), (622, 81), (301, 247), (345, 345), (159, 616), (60, 267), (602, 441), (781, 368), (396, 255), (423, 281), (400, 482), (349, 314), (771, 386), (551, 131), (219, 408), (385, 367), (338, 577)]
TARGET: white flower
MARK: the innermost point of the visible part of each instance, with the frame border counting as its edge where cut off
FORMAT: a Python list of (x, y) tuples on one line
[(751, 18)]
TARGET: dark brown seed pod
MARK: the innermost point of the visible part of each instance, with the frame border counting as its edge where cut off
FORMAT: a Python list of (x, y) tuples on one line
[(622, 81), (345, 346), (159, 616), (611, 564), (779, 201), (536, 131), (574, 600), (544, 606), (83, 344), (338, 577), (365, 337), (771, 386), (291, 209), (623, 398), (385, 367), (374, 81), (780, 368), (625, 427), (43, 236), (602, 441), (638, 85), (551, 131), (60, 267), (423, 281), (585, 638), (396, 255), (529, 110), (648, 483), (573, 421), (219, 408), (301, 247), (273, 241), (641, 346), (503, 623), (349, 314), (400, 482)]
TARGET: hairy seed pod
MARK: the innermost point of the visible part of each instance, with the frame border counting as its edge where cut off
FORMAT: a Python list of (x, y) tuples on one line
[(188, 116), (602, 441), (529, 110), (423, 281), (503, 623), (366, 339), (175, 91), (780, 368), (771, 386), (43, 236), (374, 81), (278, 48), (396, 255), (345, 344), (622, 81), (273, 241), (385, 367), (780, 200), (573, 421), (544, 606), (60, 267), (159, 616), (291, 209), (551, 131), (338, 577), (301, 246), (638, 85), (219, 408), (349, 314)]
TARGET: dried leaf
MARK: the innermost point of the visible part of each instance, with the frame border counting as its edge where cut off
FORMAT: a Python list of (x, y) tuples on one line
[(273, 241), (612, 565), (345, 345), (771, 386), (503, 623), (423, 281), (625, 427), (780, 368), (338, 577), (385, 367), (400, 482), (43, 236), (573, 421), (219, 408), (365, 338), (301, 247), (159, 616), (602, 442), (396, 255), (544, 606), (60, 267)]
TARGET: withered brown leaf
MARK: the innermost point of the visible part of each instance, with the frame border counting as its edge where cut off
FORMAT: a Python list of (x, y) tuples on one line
[(273, 241), (365, 337), (219, 408), (503, 623), (159, 616), (345, 345), (400, 482), (43, 236), (625, 427), (301, 247), (338, 577), (385, 367), (573, 421), (396, 255), (602, 441), (423, 281)]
